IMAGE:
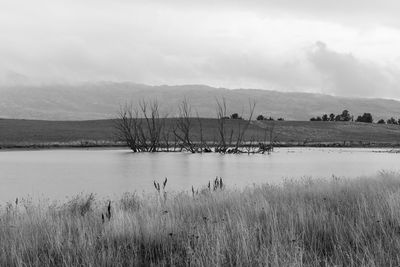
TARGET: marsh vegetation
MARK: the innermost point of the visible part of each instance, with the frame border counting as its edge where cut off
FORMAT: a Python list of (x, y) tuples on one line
[(308, 222)]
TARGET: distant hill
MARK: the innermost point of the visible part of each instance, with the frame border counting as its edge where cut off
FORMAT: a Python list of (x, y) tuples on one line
[(102, 101)]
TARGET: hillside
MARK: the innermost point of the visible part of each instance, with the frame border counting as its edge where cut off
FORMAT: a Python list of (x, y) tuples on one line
[(102, 100), (25, 133)]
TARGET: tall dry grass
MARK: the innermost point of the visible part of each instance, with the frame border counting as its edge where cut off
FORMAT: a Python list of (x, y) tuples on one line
[(309, 222)]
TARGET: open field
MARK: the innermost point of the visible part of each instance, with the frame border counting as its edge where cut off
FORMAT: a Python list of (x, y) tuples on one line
[(312, 223), (36, 133)]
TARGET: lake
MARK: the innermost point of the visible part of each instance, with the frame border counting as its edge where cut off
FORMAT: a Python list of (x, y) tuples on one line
[(59, 174)]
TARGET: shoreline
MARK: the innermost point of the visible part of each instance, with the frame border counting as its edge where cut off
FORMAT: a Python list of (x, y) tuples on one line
[(117, 145)]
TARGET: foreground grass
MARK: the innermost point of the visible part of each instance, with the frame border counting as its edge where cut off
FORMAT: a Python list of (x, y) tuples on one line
[(323, 222)]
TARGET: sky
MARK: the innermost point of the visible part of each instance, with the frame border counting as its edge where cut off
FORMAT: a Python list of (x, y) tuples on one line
[(344, 47)]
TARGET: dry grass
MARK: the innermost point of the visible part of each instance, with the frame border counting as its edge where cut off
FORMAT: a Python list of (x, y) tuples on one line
[(310, 223)]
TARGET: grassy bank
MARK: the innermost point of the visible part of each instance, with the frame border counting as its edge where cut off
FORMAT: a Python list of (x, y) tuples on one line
[(101, 133), (312, 223)]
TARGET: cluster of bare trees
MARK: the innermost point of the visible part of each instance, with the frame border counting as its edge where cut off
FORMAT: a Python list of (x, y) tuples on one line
[(144, 129), (226, 143), (141, 128), (183, 128)]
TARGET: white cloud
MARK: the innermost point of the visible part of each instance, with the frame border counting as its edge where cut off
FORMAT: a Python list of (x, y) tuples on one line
[(344, 74), (264, 44)]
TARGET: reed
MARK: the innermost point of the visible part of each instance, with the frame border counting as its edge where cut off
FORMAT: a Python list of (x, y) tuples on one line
[(309, 222)]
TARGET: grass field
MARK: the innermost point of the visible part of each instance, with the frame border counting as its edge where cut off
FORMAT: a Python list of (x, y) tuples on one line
[(304, 223), (24, 133)]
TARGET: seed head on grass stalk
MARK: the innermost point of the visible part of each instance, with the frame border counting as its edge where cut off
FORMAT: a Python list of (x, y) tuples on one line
[(165, 182), (109, 210), (156, 186)]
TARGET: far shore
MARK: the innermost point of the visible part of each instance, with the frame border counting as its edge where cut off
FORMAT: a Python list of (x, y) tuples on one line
[(33, 134), (119, 145)]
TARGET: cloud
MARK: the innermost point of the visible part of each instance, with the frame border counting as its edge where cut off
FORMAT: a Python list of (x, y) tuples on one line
[(345, 75), (249, 44), (356, 12)]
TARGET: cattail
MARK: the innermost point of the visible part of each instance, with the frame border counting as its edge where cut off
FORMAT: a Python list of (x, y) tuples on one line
[(157, 185), (16, 201), (216, 185), (165, 182), (220, 183), (192, 190), (109, 210), (102, 218), (209, 185)]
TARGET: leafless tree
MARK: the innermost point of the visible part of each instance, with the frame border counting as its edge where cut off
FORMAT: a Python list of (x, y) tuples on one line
[(183, 128), (250, 145), (140, 133), (165, 136), (203, 145), (271, 135), (126, 126), (154, 125), (243, 128), (221, 120)]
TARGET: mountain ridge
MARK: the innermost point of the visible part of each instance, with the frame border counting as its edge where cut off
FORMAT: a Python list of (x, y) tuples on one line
[(102, 100)]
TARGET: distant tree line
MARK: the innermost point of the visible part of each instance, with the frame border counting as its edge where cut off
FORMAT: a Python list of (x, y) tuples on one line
[(262, 118), (235, 116), (389, 121), (346, 116)]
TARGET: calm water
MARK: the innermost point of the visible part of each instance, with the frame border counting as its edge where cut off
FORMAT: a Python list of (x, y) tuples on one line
[(57, 174)]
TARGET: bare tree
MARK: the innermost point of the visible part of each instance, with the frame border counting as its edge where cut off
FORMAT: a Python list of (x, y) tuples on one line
[(269, 133), (184, 126), (221, 118), (126, 126), (243, 128), (165, 137), (140, 134), (250, 145), (272, 136), (203, 144), (154, 125)]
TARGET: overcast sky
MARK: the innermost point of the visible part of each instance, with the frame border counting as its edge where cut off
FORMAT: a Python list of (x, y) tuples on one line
[(344, 47)]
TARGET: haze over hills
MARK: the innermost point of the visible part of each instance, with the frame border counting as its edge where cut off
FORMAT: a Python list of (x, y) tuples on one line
[(102, 101)]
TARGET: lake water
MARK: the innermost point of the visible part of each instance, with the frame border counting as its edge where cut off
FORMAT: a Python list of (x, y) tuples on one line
[(57, 174)]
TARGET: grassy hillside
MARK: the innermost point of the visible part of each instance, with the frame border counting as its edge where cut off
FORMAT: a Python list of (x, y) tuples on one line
[(27, 132), (308, 223)]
